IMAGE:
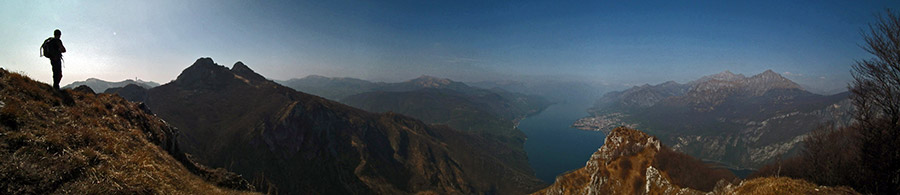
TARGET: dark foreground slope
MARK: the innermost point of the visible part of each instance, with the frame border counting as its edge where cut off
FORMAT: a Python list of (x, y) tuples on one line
[(632, 162), (304, 144), (82, 143)]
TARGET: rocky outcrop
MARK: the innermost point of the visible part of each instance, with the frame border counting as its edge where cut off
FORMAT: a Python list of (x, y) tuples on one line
[(621, 166), (628, 164)]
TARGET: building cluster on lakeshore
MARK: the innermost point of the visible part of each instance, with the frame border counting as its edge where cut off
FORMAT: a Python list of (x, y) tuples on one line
[(604, 123)]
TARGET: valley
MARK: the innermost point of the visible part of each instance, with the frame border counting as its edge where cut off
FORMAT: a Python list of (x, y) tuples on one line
[(450, 97), (238, 119)]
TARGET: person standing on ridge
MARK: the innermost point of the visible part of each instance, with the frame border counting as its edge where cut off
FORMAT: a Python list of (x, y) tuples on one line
[(53, 49)]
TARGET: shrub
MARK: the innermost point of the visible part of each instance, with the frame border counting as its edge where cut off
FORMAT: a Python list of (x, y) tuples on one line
[(687, 171)]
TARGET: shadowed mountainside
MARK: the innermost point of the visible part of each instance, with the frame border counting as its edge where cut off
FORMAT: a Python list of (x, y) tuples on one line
[(130, 92), (306, 144), (492, 113), (77, 142)]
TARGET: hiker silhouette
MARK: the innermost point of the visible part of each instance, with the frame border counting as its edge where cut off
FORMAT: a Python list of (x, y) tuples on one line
[(53, 49)]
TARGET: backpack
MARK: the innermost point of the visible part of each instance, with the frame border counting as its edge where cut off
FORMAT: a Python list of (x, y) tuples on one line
[(50, 48)]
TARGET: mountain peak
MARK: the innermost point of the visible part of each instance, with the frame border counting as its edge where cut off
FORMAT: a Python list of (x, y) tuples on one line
[(768, 80), (769, 72), (243, 70), (204, 62), (315, 76), (428, 77), (430, 81), (726, 73), (240, 66), (727, 76), (204, 72), (771, 76), (669, 83)]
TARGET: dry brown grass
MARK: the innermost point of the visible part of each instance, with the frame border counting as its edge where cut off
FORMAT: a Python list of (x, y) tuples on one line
[(74, 142), (784, 185), (687, 171)]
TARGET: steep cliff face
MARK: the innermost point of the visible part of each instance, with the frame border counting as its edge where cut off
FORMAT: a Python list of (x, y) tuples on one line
[(71, 141), (632, 162)]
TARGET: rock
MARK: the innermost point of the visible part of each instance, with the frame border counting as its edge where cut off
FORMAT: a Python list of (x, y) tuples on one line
[(627, 164)]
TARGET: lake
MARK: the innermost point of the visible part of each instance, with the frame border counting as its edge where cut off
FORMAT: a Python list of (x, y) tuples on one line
[(553, 147)]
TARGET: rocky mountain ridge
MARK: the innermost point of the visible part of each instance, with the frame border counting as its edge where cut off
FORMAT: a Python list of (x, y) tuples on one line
[(630, 163), (273, 134), (338, 88)]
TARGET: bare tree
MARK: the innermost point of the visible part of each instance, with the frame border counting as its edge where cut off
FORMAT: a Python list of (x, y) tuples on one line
[(876, 95)]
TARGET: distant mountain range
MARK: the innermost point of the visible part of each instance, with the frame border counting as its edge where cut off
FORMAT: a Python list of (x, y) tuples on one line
[(298, 143), (330, 88), (740, 121), (492, 114), (100, 85), (440, 100), (553, 90)]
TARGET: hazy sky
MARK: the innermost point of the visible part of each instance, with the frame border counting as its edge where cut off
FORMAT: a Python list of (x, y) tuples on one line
[(621, 42)]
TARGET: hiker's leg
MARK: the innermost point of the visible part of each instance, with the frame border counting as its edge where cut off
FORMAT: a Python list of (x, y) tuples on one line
[(57, 72)]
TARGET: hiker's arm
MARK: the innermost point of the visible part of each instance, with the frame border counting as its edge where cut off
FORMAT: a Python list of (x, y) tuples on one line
[(62, 49)]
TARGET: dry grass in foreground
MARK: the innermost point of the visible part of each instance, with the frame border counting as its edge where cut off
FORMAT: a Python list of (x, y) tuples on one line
[(782, 185), (76, 142)]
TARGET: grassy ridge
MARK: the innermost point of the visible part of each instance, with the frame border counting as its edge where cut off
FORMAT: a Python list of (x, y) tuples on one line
[(75, 142)]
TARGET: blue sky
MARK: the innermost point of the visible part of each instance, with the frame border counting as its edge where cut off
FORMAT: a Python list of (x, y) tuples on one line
[(614, 42)]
